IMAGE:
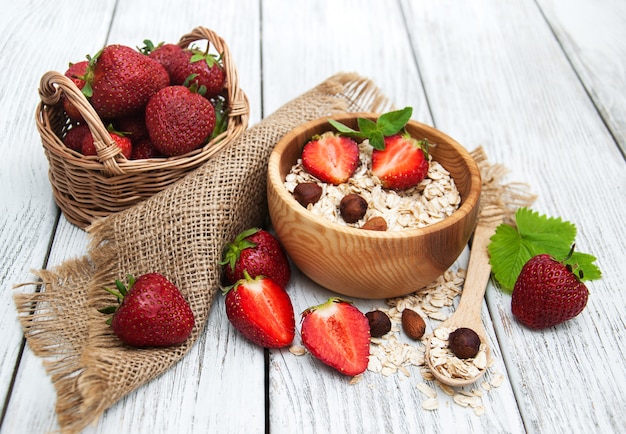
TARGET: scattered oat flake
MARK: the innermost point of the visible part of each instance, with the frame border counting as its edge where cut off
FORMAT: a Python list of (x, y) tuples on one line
[(479, 410), (497, 380), (427, 390), (297, 350), (430, 404), (356, 379)]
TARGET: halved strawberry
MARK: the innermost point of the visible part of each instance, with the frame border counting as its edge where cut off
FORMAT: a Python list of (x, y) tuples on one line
[(330, 158), (262, 311), (402, 164), (338, 334)]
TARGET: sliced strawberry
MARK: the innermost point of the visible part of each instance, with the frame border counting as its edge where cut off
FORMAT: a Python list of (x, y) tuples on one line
[(262, 311), (330, 158), (338, 334), (402, 164)]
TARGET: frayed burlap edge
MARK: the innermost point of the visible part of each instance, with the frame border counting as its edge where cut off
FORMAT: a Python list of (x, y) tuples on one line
[(503, 198), (88, 366)]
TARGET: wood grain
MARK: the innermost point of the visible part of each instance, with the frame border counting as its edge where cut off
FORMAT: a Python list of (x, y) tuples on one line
[(539, 84)]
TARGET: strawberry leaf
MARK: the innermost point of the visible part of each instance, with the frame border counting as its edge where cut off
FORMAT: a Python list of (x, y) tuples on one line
[(511, 247)]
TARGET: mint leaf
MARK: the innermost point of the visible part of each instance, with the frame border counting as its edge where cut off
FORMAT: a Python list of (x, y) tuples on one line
[(345, 130), (511, 247), (386, 125), (392, 122)]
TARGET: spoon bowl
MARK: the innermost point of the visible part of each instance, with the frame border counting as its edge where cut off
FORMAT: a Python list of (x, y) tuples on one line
[(468, 311)]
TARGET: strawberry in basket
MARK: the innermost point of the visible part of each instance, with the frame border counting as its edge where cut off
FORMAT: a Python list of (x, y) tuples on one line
[(120, 80)]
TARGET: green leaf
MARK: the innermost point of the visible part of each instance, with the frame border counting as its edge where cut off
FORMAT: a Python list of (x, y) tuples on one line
[(197, 57), (511, 247), (367, 127), (377, 140), (585, 262), (386, 125), (392, 122), (344, 129)]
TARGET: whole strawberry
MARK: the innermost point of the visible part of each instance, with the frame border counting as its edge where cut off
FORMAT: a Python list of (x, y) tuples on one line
[(152, 312), (144, 149), (120, 80), (261, 310), (126, 148), (165, 54), (205, 68), (259, 253), (75, 72), (179, 120), (547, 293), (74, 136), (338, 334)]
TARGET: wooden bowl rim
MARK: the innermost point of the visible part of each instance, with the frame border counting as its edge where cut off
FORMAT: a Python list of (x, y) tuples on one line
[(274, 179)]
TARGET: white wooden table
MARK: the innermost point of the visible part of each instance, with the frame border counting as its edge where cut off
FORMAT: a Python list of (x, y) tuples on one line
[(540, 84)]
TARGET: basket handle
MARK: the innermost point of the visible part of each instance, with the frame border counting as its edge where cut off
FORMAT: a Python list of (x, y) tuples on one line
[(237, 100), (52, 86)]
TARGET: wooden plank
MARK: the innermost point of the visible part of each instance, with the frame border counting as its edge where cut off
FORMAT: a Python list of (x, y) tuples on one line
[(193, 396), (524, 103), (33, 41), (305, 395), (303, 44), (590, 34)]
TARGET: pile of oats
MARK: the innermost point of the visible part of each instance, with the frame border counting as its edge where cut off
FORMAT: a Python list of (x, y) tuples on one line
[(390, 355), (432, 200)]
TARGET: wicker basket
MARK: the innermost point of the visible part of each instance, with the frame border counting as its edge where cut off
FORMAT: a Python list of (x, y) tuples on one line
[(86, 188)]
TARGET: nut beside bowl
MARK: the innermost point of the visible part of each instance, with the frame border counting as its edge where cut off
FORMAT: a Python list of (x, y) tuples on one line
[(364, 263)]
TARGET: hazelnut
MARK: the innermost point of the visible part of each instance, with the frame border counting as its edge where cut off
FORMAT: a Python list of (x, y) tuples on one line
[(413, 324), (307, 192), (375, 224), (464, 343), (352, 208), (380, 324)]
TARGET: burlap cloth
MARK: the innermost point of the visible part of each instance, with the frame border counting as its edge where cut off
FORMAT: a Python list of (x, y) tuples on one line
[(179, 232)]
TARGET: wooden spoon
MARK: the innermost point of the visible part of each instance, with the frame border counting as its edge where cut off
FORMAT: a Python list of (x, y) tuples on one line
[(468, 311)]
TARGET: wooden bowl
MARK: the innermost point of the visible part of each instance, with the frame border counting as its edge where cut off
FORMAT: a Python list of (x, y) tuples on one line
[(363, 263)]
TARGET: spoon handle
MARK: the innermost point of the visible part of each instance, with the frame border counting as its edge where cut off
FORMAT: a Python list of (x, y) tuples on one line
[(478, 272)]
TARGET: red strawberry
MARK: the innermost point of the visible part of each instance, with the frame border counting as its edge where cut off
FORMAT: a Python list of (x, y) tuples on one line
[(74, 137), (262, 311), (133, 126), (144, 149), (165, 54), (121, 80), (338, 334), (124, 143), (259, 253), (547, 293), (179, 120), (76, 72), (402, 164), (330, 158), (205, 67), (152, 313)]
